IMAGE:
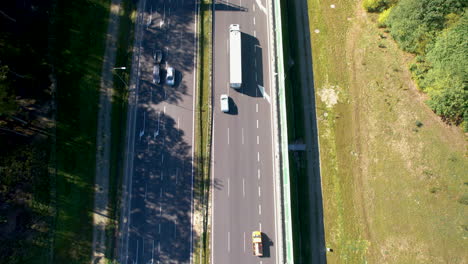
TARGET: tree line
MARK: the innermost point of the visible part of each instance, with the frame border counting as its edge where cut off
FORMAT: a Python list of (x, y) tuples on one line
[(436, 31)]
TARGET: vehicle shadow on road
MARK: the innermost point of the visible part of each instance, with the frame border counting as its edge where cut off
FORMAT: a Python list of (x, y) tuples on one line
[(252, 66), (267, 244), (221, 5), (233, 110)]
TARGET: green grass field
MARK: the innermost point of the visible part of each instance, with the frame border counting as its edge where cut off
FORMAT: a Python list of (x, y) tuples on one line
[(393, 175)]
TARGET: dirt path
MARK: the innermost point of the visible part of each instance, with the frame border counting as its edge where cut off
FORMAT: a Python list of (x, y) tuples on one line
[(101, 198)]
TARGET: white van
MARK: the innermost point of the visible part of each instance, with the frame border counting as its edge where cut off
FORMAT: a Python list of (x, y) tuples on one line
[(224, 103)]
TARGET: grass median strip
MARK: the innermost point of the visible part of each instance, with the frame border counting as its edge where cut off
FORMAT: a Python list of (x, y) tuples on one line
[(203, 136)]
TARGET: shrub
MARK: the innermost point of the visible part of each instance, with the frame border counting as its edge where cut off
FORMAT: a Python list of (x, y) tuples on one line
[(377, 5), (414, 23), (463, 200), (450, 103), (382, 20), (446, 79)]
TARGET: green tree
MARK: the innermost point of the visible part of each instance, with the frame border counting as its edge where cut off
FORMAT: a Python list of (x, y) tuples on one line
[(7, 100), (447, 78), (450, 103), (378, 5), (415, 23)]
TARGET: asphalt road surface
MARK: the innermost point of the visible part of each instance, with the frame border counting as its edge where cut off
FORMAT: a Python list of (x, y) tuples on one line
[(158, 209), (244, 197)]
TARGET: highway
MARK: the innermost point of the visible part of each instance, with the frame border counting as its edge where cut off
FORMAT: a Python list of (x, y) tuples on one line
[(243, 157), (156, 221)]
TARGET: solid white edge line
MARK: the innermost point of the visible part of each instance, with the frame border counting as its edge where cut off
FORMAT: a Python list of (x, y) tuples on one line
[(195, 46), (212, 190), (269, 4)]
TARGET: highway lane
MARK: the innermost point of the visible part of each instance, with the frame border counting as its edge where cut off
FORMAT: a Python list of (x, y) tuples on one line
[(157, 212), (243, 169)]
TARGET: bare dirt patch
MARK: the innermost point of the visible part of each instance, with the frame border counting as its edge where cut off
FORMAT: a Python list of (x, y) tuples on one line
[(329, 95)]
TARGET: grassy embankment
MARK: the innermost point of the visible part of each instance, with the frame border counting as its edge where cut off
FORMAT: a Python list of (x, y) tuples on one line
[(393, 175), (203, 136), (80, 34)]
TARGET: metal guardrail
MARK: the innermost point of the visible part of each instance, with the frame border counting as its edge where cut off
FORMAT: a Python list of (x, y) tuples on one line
[(288, 248)]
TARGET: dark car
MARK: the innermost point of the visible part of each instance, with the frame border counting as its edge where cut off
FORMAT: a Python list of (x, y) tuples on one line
[(156, 74), (158, 56)]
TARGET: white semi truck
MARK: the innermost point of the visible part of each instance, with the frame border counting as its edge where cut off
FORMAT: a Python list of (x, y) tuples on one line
[(235, 56)]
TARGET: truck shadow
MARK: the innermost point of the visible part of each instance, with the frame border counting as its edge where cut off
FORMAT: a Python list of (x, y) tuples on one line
[(267, 244), (252, 66), (221, 5)]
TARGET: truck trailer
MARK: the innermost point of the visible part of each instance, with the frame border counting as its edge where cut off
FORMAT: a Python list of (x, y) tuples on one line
[(235, 56)]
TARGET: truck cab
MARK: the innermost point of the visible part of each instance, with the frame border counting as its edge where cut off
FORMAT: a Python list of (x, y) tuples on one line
[(257, 243)]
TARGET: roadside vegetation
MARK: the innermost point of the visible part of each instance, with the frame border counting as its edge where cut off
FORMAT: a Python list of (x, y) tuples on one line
[(203, 123), (51, 61), (437, 33), (26, 133), (393, 173)]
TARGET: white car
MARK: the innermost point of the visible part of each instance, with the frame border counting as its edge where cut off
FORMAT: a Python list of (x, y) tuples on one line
[(170, 76), (224, 103)]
